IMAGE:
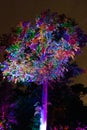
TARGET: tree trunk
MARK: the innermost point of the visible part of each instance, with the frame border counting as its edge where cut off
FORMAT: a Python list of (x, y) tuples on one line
[(43, 120)]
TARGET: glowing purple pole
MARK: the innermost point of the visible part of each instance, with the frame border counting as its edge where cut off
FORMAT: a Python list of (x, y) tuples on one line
[(43, 119)]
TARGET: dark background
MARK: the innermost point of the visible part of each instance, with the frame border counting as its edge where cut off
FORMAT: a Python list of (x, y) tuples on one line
[(14, 11)]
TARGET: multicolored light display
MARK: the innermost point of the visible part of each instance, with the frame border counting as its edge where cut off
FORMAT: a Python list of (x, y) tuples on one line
[(41, 52)]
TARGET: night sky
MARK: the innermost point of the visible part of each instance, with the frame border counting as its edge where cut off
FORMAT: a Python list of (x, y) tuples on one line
[(14, 11)]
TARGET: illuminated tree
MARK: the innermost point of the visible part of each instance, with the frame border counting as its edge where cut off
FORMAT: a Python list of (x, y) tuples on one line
[(40, 53)]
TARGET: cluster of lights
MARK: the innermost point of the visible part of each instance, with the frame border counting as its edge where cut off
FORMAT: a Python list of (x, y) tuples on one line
[(43, 50)]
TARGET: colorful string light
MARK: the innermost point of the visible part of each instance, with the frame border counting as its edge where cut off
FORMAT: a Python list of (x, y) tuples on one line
[(42, 51)]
